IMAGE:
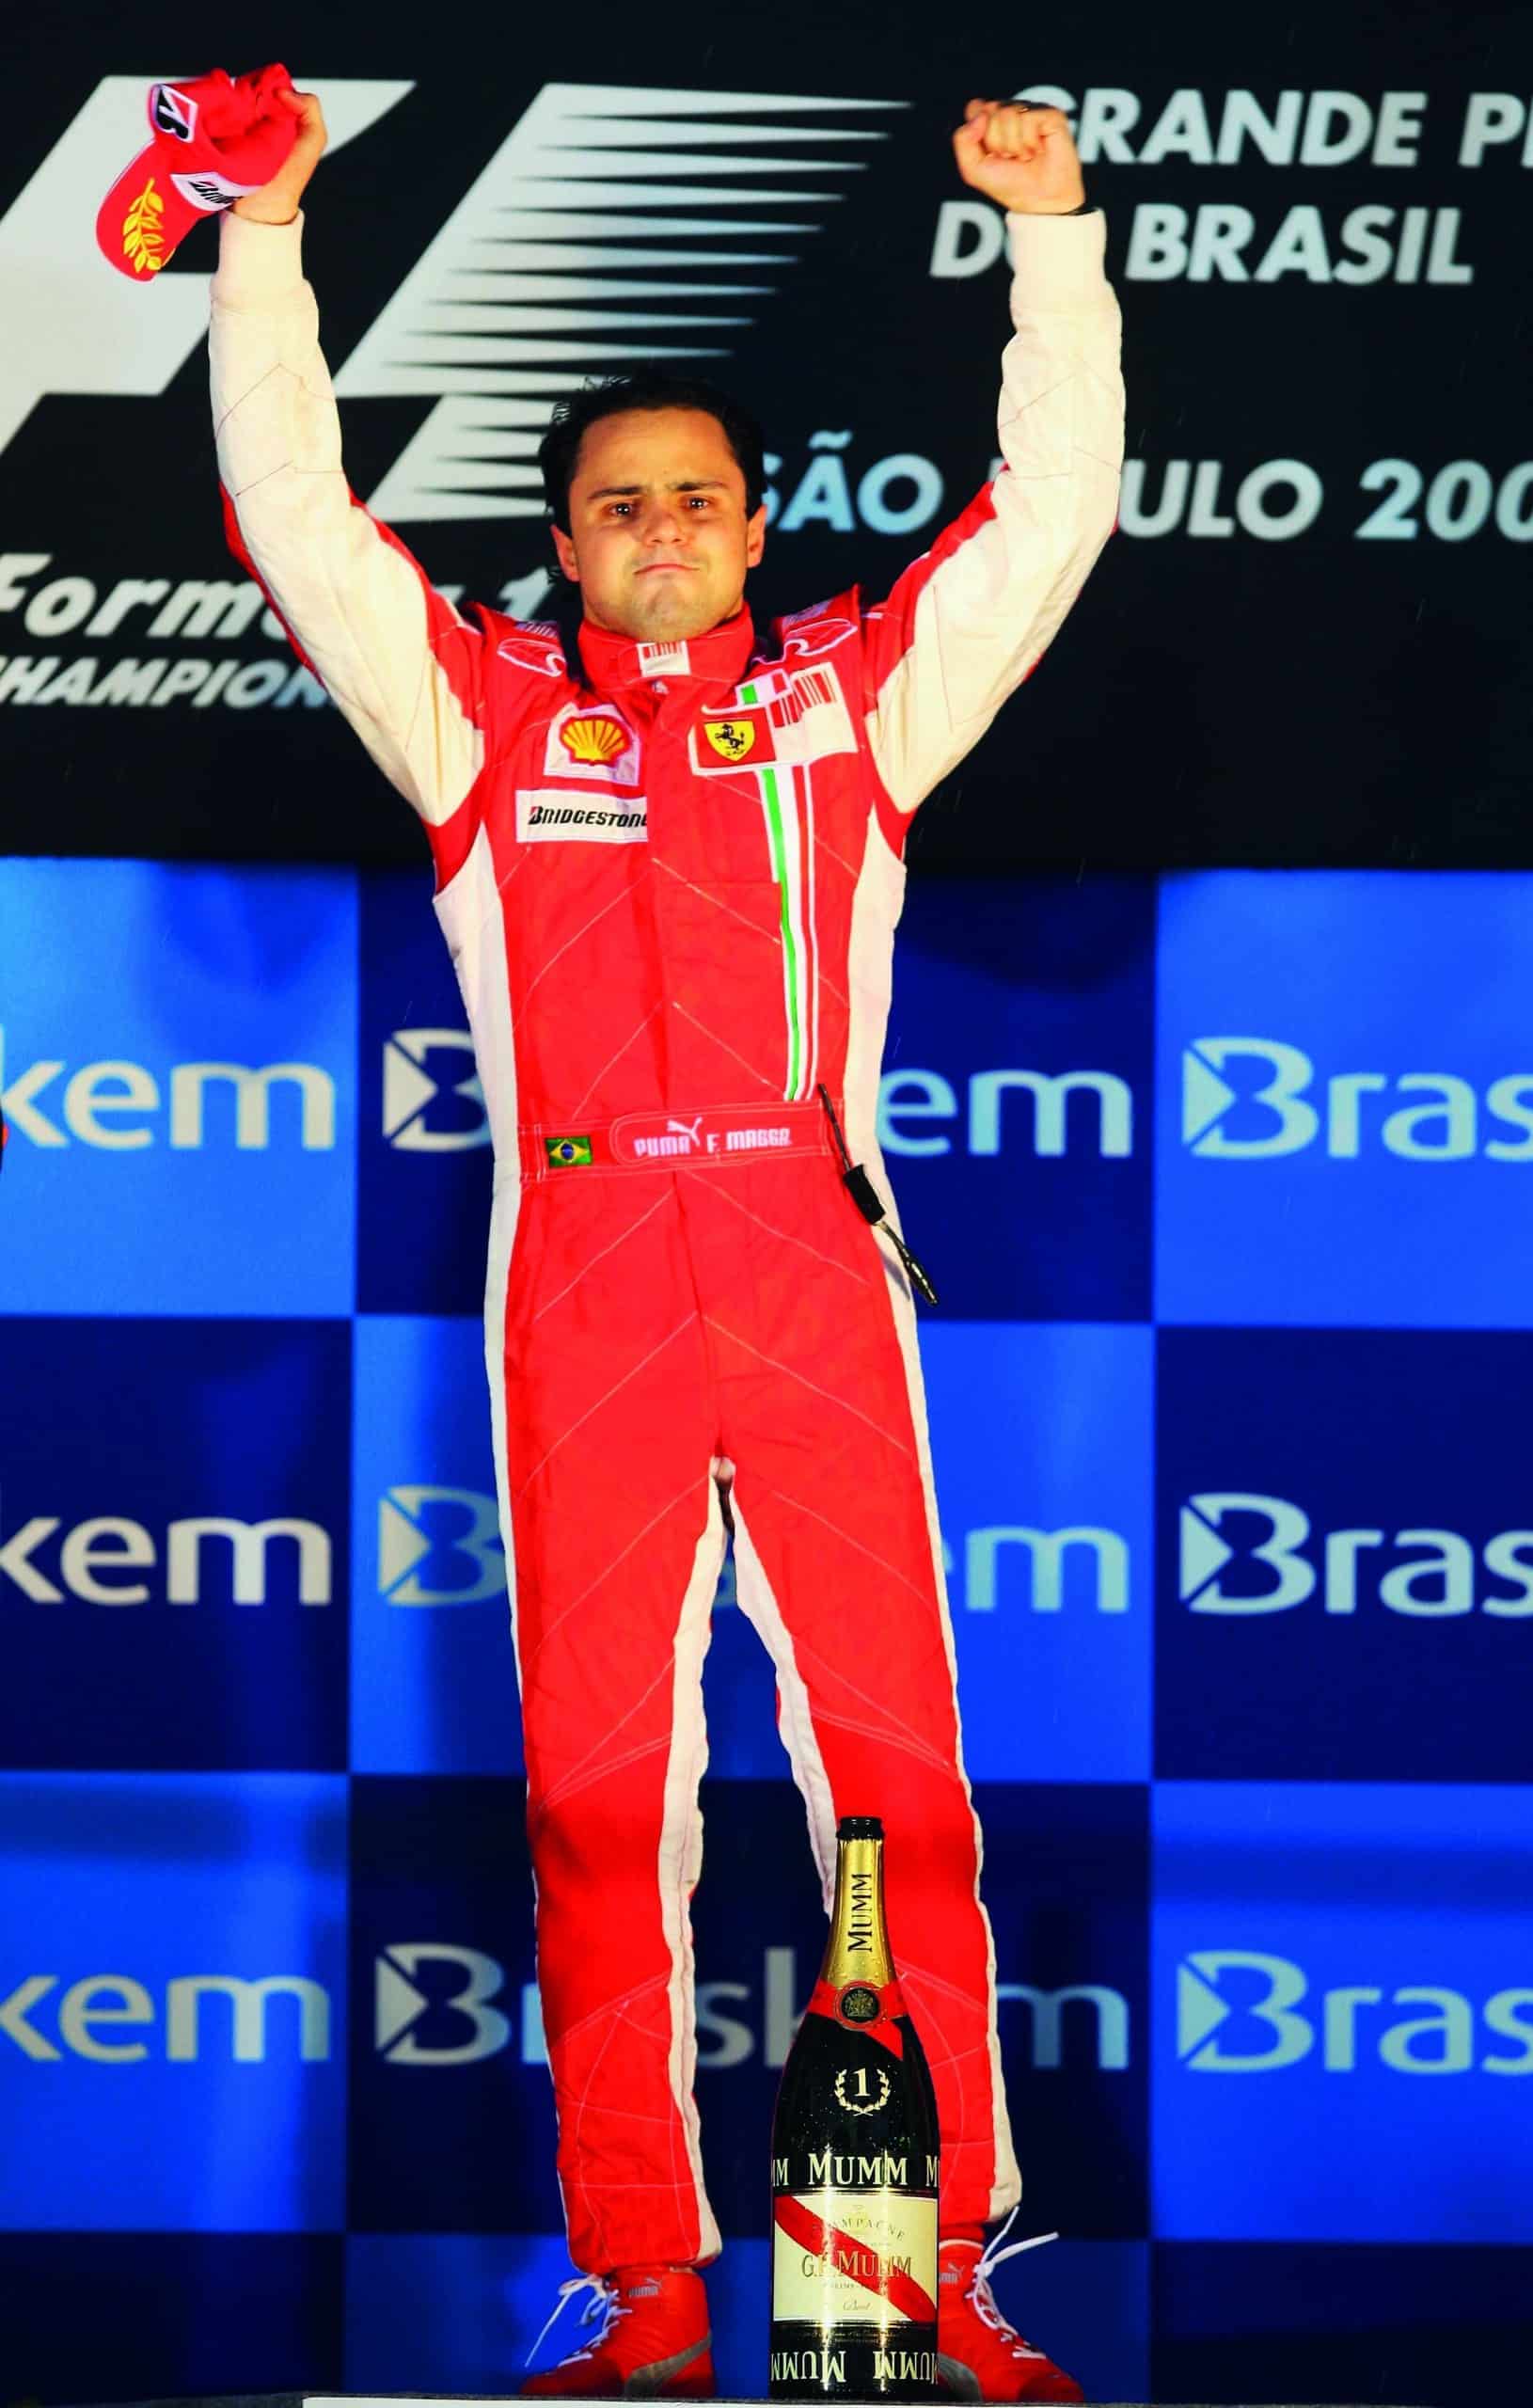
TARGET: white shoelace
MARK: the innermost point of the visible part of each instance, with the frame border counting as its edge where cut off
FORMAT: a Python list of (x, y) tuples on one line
[(992, 2256), (604, 2295)]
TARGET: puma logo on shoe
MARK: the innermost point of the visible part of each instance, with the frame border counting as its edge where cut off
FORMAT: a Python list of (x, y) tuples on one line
[(645, 2383)]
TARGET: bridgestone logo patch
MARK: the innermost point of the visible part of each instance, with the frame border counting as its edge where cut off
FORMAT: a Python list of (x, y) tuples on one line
[(549, 816), (546, 817)]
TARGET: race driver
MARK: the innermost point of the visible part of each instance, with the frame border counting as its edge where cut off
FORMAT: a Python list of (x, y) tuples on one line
[(668, 870)]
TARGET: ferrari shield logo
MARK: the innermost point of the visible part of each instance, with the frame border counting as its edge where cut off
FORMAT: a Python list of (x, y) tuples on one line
[(731, 738)]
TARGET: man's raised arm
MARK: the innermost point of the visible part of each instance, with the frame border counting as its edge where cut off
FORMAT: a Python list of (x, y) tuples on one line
[(398, 659), (969, 620)]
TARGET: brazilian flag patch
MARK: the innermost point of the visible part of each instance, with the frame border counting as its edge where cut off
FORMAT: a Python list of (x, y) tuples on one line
[(565, 1154)]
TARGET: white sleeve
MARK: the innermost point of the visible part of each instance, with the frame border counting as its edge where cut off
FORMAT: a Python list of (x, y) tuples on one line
[(968, 622), (399, 660)]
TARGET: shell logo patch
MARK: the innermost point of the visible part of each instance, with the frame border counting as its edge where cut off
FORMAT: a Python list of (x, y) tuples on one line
[(595, 741), (731, 738)]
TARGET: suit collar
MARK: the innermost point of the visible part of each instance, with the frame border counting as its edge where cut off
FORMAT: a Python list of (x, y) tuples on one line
[(719, 657)]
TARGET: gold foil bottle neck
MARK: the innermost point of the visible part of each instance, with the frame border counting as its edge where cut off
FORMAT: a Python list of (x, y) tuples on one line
[(858, 1948)]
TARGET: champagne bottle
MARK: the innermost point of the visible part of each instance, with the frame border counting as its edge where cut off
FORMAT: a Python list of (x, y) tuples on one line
[(855, 2167)]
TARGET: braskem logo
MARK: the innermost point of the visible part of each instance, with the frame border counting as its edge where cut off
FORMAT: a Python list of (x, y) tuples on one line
[(1439, 1572), (47, 2021), (1344, 1554), (1050, 1557), (1034, 1163), (1240, 2010), (1250, 1099), (432, 1101), (439, 1547), (1345, 1999), (482, 2029), (118, 1107), (910, 1101), (173, 2002), (739, 2020), (1343, 1100), (110, 1560), (184, 1118)]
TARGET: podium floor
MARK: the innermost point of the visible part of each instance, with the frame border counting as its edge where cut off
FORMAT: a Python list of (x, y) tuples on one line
[(511, 2400)]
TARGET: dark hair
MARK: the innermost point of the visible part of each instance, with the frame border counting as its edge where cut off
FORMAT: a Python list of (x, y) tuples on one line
[(651, 389)]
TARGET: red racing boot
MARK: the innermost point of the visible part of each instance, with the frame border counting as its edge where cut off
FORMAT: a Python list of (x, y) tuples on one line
[(979, 2356), (653, 2343)]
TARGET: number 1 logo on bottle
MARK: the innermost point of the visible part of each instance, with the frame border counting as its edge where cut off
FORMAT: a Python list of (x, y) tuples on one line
[(859, 2100)]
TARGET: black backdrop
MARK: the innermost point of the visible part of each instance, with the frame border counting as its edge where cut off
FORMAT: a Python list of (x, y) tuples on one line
[(1324, 697)]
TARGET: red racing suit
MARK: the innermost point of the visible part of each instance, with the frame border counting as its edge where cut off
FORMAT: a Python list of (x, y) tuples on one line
[(670, 886)]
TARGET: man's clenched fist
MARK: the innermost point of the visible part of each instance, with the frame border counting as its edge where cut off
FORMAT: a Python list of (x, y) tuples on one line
[(276, 203), (1024, 158)]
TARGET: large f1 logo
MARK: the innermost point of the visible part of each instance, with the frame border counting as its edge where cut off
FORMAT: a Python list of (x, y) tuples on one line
[(543, 309)]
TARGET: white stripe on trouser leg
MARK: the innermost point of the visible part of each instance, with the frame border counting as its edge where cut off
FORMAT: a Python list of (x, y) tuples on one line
[(681, 1842), (469, 911), (875, 908), (765, 1615), (504, 1212)]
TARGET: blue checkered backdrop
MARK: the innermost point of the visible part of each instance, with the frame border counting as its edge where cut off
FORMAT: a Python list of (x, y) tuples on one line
[(1231, 1396)]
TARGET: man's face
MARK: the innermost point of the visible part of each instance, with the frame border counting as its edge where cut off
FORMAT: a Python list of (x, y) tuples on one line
[(659, 539)]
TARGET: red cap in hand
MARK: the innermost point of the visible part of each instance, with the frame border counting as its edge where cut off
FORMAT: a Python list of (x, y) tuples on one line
[(216, 137)]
